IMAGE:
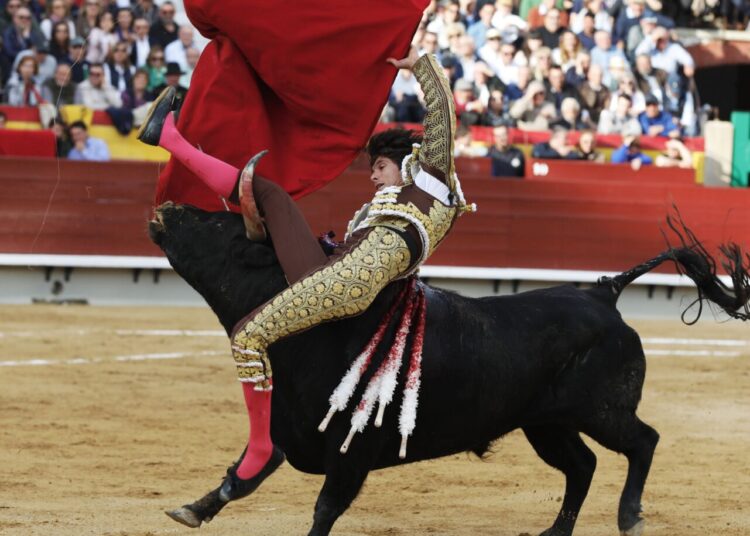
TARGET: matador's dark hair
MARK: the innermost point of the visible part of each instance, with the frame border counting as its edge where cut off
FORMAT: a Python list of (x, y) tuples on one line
[(394, 143)]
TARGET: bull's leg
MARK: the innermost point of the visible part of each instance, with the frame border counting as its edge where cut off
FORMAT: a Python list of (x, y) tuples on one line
[(343, 481), (564, 449), (627, 434)]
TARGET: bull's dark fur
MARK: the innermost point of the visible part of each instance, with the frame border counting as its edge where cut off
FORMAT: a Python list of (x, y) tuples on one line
[(555, 362)]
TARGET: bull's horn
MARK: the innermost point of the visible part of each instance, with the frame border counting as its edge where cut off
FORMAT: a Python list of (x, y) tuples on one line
[(254, 228)]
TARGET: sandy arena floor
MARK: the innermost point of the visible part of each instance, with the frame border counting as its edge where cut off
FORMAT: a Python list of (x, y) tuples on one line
[(103, 426)]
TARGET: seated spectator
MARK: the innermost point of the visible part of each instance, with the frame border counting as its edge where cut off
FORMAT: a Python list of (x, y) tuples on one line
[(516, 91), (531, 44), (556, 148), (455, 31), (88, 17), (156, 68), (629, 17), (21, 34), (451, 68), (627, 86), (146, 9), (141, 45), (102, 39), (600, 19), (79, 66), (469, 108), (565, 55), (467, 57), (551, 29), (618, 70), (495, 54), (558, 89), (164, 30), (84, 146), (59, 45), (585, 149), (478, 30), (655, 122), (447, 14), (485, 81), (648, 79), (172, 78), (192, 55), (62, 138), (675, 155), (570, 116), (666, 54), (620, 121), (464, 144), (57, 11), (630, 152), (538, 15), (95, 93), (604, 50), (46, 63), (594, 96), (531, 111), (638, 33), (60, 89), (496, 114), (577, 75), (507, 161), (429, 44), (175, 52), (118, 72), (405, 98), (510, 26), (124, 26), (541, 63), (23, 88), (138, 94), (586, 33), (680, 103)]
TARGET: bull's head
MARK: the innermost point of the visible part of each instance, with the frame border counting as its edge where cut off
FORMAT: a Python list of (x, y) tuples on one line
[(211, 252)]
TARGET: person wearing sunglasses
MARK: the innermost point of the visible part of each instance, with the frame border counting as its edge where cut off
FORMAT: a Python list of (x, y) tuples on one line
[(21, 34)]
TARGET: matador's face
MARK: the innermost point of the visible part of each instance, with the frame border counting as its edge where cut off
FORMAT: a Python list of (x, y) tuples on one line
[(385, 173)]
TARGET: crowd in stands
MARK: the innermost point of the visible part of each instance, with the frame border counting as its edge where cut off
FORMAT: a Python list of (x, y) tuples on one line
[(599, 66), (109, 55)]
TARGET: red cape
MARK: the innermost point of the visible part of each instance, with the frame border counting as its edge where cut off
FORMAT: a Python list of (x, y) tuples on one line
[(306, 80)]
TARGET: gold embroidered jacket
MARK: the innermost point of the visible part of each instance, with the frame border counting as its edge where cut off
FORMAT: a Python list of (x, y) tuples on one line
[(429, 167)]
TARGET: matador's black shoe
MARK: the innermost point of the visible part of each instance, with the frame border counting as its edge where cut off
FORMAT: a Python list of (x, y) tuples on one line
[(234, 487), (150, 130)]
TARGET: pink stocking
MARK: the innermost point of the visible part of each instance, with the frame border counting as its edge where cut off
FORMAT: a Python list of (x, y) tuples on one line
[(259, 446)]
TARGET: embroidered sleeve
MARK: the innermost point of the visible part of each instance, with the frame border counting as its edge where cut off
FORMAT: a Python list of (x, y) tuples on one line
[(436, 152)]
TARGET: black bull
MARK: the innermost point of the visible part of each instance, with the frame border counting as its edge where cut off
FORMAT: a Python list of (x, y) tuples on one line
[(555, 362)]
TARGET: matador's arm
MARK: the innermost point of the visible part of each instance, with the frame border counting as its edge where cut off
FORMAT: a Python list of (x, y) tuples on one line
[(436, 153)]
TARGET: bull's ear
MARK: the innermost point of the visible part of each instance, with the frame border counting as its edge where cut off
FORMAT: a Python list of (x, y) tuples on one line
[(255, 255)]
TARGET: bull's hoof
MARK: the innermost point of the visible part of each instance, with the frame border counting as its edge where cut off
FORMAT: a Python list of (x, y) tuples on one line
[(186, 516), (635, 530)]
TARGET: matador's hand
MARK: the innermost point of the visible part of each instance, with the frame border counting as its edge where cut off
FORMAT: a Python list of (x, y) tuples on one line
[(408, 62)]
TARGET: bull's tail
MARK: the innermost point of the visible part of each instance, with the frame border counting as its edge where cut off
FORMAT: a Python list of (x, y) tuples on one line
[(694, 261)]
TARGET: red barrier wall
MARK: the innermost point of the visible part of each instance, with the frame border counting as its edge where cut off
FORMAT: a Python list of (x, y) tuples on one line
[(596, 223)]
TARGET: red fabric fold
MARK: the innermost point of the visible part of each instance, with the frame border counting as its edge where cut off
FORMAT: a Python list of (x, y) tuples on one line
[(305, 80)]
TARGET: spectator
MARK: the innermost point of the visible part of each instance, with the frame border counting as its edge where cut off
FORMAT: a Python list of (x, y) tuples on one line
[(60, 89), (79, 66), (491, 53), (516, 91), (137, 94), (176, 50), (404, 98), (6, 19), (21, 34), (44, 60), (585, 149), (484, 81), (556, 148), (655, 122), (675, 155), (141, 44), (510, 26), (455, 31), (618, 71), (648, 79), (532, 43), (552, 29), (570, 116), (451, 67), (630, 152), (565, 55), (594, 96), (586, 35), (599, 19), (59, 45), (156, 68), (638, 33), (629, 17), (164, 30), (628, 86), (496, 114), (429, 44), (172, 78), (124, 26), (578, 74), (478, 30), (146, 9), (531, 111), (603, 50), (58, 11), (95, 93), (507, 161), (102, 39), (665, 54), (467, 57), (118, 72), (448, 13), (541, 63), (557, 89), (538, 15), (62, 138), (680, 103), (465, 146), (192, 55), (3, 120), (621, 120), (84, 146), (469, 108), (88, 18), (23, 89)]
